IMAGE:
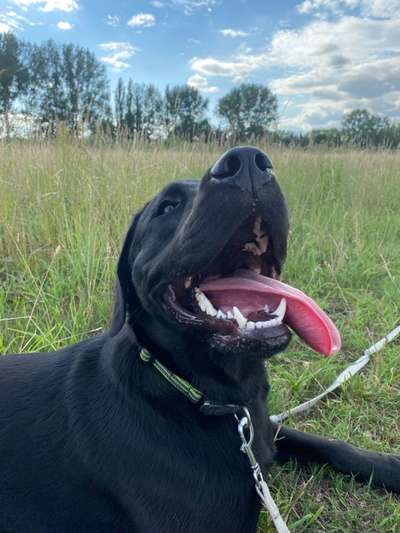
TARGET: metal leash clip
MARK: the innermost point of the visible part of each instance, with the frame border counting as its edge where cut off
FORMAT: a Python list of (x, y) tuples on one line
[(245, 424)]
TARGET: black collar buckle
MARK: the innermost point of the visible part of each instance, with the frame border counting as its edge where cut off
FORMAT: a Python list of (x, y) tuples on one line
[(218, 409)]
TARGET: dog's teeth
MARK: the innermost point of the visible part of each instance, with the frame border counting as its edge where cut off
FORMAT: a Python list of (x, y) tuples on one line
[(250, 325), (220, 314), (240, 319), (252, 248), (199, 297), (229, 315), (266, 308), (270, 323), (209, 308), (280, 310), (262, 244), (188, 282), (204, 303), (257, 249)]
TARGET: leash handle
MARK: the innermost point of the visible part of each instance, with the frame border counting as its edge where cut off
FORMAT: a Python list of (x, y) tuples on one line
[(245, 424)]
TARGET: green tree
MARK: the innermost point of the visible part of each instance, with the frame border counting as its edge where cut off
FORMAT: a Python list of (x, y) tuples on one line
[(391, 135), (13, 76), (86, 88), (326, 136), (363, 129), (120, 107), (46, 98), (133, 110), (138, 109), (66, 84), (184, 111), (152, 112), (249, 110)]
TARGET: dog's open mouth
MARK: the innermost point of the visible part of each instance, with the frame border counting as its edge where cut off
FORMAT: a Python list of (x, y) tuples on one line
[(237, 294)]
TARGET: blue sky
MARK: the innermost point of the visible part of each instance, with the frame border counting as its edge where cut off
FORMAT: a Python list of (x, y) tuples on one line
[(321, 57)]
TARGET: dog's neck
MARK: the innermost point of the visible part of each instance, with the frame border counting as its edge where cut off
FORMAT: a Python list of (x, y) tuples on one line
[(137, 381), (222, 381)]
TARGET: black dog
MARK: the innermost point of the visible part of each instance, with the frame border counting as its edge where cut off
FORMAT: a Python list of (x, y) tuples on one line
[(97, 438)]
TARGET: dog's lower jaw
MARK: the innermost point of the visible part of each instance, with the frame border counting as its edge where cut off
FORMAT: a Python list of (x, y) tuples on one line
[(250, 348)]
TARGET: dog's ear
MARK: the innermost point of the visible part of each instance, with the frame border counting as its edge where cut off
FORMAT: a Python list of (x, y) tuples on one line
[(123, 284)]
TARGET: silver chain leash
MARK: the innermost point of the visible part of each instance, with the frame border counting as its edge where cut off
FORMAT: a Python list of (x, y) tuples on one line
[(245, 423)]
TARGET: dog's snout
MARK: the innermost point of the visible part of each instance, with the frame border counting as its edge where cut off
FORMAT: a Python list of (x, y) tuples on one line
[(248, 167)]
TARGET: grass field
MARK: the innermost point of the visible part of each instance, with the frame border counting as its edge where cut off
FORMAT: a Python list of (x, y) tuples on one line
[(64, 210)]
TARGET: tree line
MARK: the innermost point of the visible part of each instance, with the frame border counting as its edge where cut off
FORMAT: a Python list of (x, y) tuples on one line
[(49, 85), (358, 128)]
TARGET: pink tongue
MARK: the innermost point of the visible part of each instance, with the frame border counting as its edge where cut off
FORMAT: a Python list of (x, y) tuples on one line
[(250, 292)]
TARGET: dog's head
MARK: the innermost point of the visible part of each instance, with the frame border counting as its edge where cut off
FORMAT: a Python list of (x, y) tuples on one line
[(232, 222), (195, 267)]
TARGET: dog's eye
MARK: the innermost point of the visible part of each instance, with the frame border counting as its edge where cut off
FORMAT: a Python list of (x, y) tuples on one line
[(167, 206)]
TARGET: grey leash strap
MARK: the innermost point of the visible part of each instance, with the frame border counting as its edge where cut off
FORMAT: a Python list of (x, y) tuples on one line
[(245, 425), (350, 371)]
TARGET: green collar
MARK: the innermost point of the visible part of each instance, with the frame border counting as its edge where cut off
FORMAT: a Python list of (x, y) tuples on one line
[(207, 407), (183, 386)]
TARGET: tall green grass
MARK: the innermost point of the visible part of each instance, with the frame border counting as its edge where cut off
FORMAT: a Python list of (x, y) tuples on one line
[(64, 209)]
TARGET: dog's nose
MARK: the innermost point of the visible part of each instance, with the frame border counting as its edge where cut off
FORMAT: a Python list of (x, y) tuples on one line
[(248, 167)]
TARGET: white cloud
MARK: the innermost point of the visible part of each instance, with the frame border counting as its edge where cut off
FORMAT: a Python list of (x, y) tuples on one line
[(49, 5), (319, 48), (320, 44), (228, 32), (117, 45), (12, 21), (318, 7), (9, 22), (143, 20), (59, 5), (201, 84), (313, 115), (341, 65), (26, 3), (373, 8), (381, 8), (190, 6), (327, 67), (118, 53), (64, 25), (237, 70), (113, 20), (4, 27)]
